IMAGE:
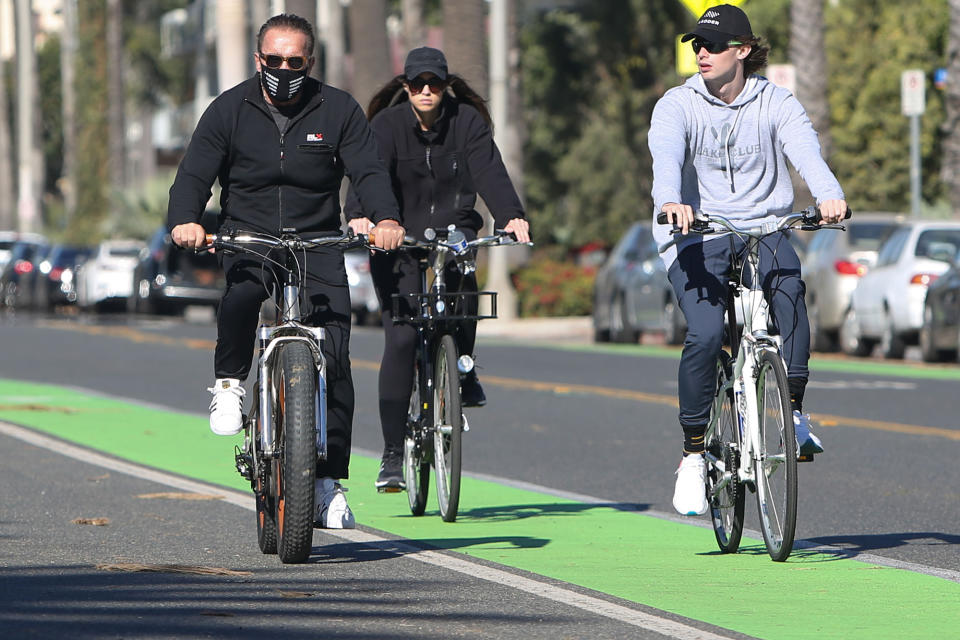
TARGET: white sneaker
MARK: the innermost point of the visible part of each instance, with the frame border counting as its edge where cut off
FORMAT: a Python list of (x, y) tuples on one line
[(690, 494), (807, 443), (226, 408), (332, 511)]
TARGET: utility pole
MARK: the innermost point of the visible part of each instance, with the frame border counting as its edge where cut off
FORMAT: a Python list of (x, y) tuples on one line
[(498, 278), (232, 51), (27, 147), (68, 53), (6, 158), (116, 98), (334, 43)]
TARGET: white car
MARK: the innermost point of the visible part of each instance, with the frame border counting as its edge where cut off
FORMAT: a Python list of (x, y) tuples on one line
[(887, 305), (363, 296), (107, 275)]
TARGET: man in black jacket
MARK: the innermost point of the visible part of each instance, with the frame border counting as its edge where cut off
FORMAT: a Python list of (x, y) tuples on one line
[(280, 144)]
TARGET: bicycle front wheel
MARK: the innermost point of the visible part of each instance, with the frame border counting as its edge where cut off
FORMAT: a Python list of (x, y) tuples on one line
[(447, 427), (724, 490), (297, 456), (775, 466), (416, 470)]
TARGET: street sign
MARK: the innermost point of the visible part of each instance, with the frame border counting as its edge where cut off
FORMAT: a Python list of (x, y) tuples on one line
[(912, 96), (783, 75), (686, 59), (697, 7)]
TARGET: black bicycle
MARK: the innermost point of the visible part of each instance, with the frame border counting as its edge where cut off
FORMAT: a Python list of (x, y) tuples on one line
[(285, 432), (435, 420)]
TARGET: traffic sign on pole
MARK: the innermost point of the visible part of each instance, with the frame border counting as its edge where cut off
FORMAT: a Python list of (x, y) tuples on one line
[(912, 95), (697, 7)]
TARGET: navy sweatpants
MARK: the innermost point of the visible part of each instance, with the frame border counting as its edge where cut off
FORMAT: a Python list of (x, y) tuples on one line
[(699, 277)]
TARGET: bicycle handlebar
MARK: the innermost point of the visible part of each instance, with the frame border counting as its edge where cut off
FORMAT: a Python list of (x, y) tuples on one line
[(459, 247), (237, 239), (807, 220)]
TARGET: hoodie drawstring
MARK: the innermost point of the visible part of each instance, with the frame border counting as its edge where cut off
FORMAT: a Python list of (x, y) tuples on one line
[(726, 146)]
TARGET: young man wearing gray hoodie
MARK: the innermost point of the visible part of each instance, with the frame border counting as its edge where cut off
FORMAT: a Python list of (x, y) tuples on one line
[(720, 143)]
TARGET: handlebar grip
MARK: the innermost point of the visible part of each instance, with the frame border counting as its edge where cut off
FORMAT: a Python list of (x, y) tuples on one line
[(662, 217)]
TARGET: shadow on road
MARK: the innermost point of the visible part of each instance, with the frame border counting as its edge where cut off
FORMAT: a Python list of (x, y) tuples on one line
[(854, 544), (523, 511)]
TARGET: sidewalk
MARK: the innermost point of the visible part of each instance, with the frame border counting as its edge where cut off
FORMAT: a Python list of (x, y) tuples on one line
[(572, 329)]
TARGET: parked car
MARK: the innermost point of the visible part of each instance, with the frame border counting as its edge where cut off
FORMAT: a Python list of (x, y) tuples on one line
[(632, 294), (167, 279), (363, 297), (940, 332), (53, 281), (107, 276), (833, 265), (23, 260), (887, 305), (10, 238)]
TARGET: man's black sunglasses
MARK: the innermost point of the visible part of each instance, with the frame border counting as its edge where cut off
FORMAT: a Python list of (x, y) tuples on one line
[(713, 47), (436, 84), (273, 61)]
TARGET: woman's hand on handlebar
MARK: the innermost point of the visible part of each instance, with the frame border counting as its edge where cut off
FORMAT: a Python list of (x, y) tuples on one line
[(387, 235), (189, 236), (520, 228), (832, 211), (360, 226), (680, 215)]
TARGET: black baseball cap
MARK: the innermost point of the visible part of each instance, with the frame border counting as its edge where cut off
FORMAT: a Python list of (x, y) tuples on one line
[(423, 60), (721, 23)]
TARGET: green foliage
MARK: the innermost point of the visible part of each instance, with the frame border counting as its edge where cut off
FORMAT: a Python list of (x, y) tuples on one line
[(139, 210), (871, 137), (547, 286), (51, 111)]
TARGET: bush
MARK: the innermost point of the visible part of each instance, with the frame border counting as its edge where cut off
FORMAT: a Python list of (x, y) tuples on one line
[(550, 287)]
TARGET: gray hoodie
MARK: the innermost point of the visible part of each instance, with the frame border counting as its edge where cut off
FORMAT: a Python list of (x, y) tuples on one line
[(730, 159)]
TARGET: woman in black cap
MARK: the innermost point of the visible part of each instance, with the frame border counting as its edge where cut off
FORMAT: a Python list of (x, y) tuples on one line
[(435, 138)]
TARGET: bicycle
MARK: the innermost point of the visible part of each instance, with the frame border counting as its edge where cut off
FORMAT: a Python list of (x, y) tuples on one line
[(285, 432), (750, 437), (435, 421)]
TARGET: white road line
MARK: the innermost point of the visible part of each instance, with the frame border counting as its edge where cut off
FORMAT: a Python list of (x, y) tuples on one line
[(651, 622)]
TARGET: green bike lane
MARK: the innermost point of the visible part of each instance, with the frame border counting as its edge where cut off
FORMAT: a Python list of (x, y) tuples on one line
[(668, 565)]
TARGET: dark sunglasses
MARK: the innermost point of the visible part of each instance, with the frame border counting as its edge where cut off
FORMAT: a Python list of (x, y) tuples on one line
[(713, 47), (436, 84), (273, 61)]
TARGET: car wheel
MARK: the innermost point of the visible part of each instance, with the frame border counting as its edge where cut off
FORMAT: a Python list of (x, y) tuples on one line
[(892, 345), (820, 340), (851, 341), (928, 351), (620, 329)]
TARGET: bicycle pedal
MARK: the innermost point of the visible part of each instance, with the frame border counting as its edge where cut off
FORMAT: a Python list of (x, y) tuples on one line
[(805, 457), (389, 490)]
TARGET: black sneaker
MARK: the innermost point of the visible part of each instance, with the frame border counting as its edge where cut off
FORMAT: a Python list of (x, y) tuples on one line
[(471, 393), (390, 479)]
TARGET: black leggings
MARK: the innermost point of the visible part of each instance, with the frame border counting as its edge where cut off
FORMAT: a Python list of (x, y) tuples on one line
[(398, 272), (326, 304)]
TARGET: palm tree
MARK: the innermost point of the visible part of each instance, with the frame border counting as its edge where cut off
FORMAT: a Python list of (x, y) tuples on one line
[(809, 57), (414, 32), (951, 127), (464, 38), (368, 44)]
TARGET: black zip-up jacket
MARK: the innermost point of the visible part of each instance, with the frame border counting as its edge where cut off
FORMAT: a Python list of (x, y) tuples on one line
[(437, 174), (271, 180)]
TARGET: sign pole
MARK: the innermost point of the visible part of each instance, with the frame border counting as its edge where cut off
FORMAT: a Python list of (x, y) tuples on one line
[(912, 105), (915, 166)]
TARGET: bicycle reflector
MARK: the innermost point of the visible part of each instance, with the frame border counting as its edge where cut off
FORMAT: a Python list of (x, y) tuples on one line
[(464, 364)]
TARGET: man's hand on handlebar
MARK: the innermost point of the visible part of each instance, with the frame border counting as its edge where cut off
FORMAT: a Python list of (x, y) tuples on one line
[(520, 228), (832, 211), (189, 236), (680, 215), (387, 235)]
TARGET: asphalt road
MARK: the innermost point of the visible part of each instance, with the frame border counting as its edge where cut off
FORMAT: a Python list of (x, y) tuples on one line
[(570, 419)]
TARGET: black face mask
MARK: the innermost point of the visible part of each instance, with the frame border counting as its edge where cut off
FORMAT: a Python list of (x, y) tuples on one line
[(282, 85)]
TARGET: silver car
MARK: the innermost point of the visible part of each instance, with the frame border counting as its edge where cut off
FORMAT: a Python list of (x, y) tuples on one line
[(632, 294), (887, 305), (363, 296), (833, 265)]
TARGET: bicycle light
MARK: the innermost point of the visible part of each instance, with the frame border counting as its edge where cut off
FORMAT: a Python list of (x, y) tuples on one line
[(465, 364)]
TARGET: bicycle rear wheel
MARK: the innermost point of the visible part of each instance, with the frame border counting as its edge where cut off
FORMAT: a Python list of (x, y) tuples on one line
[(775, 468), (416, 470), (297, 459), (447, 427), (724, 490)]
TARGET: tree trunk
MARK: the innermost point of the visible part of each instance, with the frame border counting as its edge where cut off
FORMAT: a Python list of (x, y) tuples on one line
[(414, 30), (6, 159), (307, 9), (808, 55), (68, 52), (29, 169), (951, 127), (369, 47), (116, 98), (334, 44), (464, 38)]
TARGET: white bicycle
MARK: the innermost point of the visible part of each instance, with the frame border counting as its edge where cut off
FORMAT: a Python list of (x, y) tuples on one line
[(750, 438)]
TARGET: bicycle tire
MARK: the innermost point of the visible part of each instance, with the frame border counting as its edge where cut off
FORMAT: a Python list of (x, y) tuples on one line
[(447, 427), (416, 470), (297, 452), (775, 468), (726, 506)]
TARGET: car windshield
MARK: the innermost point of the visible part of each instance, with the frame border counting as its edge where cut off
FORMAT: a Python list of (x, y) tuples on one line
[(867, 236), (5, 244)]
